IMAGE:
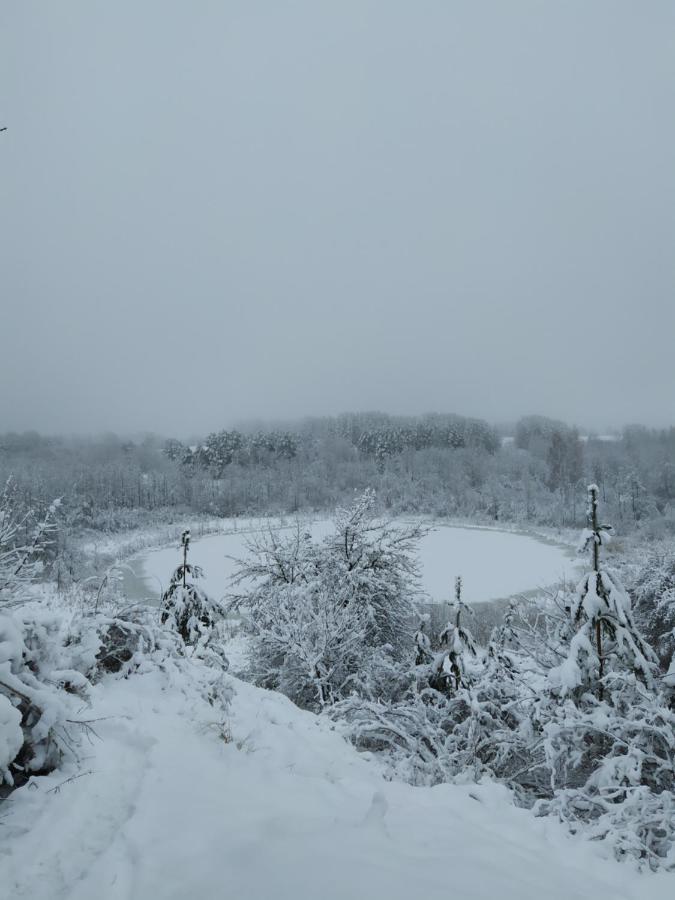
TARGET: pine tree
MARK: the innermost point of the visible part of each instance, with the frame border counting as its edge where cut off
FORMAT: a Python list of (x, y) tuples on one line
[(185, 606), (451, 666), (602, 616)]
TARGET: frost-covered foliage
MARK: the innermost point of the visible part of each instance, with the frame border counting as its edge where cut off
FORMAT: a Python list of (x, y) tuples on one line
[(654, 592), (438, 464), (451, 715), (430, 735), (53, 651), (29, 708), (423, 651), (185, 606), (605, 729), (48, 663), (612, 768), (52, 655), (605, 632), (25, 539), (322, 612), (564, 705), (451, 668)]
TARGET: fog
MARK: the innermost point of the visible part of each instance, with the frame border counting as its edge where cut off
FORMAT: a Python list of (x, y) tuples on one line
[(212, 211)]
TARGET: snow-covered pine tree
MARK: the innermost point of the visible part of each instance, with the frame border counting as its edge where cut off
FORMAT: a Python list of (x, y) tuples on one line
[(501, 656), (608, 735), (601, 613), (451, 667), (485, 698), (185, 606)]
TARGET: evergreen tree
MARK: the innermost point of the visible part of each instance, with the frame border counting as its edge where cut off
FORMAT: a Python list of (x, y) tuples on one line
[(602, 617), (451, 668), (185, 606)]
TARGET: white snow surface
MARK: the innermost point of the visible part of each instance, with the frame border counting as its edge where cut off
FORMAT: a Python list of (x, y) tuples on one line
[(493, 564), (286, 810)]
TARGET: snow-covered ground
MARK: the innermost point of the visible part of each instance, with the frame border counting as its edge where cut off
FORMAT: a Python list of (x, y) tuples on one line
[(285, 810), (493, 564)]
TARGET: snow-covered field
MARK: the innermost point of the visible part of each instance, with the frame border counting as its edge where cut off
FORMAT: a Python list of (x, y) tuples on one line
[(286, 810), (493, 564)]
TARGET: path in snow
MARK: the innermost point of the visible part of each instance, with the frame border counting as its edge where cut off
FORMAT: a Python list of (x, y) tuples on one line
[(493, 564), (286, 811)]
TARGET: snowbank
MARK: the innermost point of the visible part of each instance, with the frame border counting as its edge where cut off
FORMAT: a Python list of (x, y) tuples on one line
[(282, 808)]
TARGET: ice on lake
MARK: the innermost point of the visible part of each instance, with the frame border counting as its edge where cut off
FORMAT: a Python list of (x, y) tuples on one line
[(493, 564)]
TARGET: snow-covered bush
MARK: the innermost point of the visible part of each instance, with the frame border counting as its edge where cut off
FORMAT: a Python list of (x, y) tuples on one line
[(33, 709), (636, 824), (455, 714), (51, 656), (654, 592), (309, 642), (11, 738), (52, 652), (409, 733), (423, 652), (39, 679), (25, 540), (322, 613), (612, 769)]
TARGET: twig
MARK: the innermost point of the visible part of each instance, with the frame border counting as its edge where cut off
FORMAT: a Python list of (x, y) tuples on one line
[(57, 788)]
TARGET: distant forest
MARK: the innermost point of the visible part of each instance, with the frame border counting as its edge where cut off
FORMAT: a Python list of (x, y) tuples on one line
[(444, 465)]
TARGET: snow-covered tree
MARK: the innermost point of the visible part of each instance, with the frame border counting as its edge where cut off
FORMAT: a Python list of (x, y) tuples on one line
[(322, 611), (606, 731), (25, 539), (451, 668), (654, 592), (611, 765), (185, 606), (605, 630)]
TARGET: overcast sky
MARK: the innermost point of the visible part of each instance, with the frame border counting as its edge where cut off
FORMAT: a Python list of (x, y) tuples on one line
[(220, 210)]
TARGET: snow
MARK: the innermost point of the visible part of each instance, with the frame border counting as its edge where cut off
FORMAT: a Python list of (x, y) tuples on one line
[(164, 807), (669, 677), (11, 736), (493, 564)]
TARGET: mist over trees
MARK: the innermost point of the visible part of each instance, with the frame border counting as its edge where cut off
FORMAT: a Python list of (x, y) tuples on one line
[(437, 464)]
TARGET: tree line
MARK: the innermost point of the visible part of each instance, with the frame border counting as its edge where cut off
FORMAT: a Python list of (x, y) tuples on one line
[(439, 465)]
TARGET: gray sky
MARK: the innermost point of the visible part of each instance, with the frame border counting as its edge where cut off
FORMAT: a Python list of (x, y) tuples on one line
[(216, 210)]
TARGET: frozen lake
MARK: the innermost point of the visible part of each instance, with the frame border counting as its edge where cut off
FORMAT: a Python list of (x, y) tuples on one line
[(493, 564)]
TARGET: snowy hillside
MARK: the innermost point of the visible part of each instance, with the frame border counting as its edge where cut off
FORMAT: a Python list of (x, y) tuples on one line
[(284, 809)]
